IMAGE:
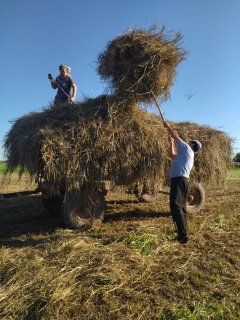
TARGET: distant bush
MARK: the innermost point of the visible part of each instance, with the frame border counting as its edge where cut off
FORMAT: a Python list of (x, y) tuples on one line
[(236, 165), (237, 157)]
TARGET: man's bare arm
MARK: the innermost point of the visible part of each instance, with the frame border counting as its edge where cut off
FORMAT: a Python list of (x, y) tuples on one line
[(172, 152), (171, 132)]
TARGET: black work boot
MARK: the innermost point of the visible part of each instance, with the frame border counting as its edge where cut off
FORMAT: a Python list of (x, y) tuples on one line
[(182, 239)]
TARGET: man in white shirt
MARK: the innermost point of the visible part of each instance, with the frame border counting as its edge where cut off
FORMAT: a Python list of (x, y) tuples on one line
[(182, 163)]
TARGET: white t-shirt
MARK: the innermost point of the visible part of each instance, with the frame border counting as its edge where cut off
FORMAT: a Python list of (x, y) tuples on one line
[(183, 162)]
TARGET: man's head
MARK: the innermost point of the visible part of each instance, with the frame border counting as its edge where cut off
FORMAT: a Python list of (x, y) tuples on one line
[(64, 69), (195, 145)]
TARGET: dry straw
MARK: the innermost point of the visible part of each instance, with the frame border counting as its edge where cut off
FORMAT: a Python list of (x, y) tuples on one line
[(96, 140), (110, 137), (140, 61)]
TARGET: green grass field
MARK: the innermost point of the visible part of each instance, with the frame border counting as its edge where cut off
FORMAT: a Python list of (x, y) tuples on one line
[(234, 173), (2, 166)]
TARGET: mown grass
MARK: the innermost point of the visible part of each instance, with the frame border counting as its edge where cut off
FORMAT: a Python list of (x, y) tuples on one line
[(128, 267), (144, 244), (201, 312)]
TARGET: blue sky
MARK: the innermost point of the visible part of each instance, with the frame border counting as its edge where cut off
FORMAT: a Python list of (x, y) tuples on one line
[(37, 36)]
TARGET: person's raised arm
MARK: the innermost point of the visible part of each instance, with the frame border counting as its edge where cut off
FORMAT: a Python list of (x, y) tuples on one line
[(172, 152), (171, 132)]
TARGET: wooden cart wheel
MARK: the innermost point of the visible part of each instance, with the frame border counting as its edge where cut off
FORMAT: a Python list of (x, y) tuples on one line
[(53, 203), (83, 206), (195, 198)]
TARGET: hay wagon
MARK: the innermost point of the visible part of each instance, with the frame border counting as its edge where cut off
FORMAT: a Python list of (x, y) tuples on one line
[(72, 149), (80, 207)]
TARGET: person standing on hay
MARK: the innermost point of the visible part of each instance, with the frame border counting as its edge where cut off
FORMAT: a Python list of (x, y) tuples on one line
[(67, 89), (182, 163)]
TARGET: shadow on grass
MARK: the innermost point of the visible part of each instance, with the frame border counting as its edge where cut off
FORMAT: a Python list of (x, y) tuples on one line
[(35, 227), (135, 215), (22, 243), (26, 216), (122, 202)]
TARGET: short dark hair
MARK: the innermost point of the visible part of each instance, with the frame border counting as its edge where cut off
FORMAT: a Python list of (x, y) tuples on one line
[(196, 145)]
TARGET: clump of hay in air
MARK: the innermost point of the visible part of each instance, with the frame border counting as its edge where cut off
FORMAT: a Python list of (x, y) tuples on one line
[(96, 140), (140, 62)]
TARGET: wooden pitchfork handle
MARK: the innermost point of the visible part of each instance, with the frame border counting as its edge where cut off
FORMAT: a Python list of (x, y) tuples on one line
[(63, 91), (157, 105), (58, 85)]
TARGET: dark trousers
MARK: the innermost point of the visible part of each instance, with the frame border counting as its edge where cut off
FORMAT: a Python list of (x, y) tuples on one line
[(178, 198)]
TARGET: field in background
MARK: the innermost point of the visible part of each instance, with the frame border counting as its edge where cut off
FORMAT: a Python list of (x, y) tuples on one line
[(2, 166), (128, 267), (234, 173)]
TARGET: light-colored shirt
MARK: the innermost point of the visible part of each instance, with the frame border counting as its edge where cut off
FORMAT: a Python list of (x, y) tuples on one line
[(183, 161)]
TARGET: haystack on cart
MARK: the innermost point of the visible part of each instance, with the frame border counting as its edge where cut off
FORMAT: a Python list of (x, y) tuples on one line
[(72, 149), (80, 207)]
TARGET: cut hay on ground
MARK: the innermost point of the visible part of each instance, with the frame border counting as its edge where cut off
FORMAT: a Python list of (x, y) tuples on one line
[(140, 62), (96, 140), (126, 268)]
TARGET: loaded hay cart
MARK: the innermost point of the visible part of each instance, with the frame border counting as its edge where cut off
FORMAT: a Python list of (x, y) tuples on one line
[(73, 148)]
